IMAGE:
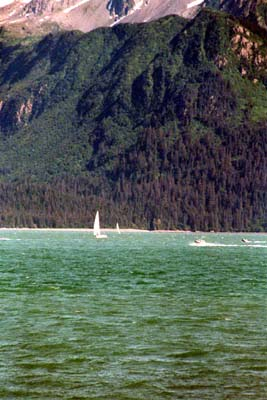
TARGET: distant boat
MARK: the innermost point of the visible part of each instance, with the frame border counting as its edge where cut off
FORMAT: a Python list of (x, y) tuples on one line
[(200, 241), (97, 232), (245, 240), (118, 228)]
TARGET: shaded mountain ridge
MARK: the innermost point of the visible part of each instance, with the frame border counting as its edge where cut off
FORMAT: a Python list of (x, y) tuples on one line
[(167, 132)]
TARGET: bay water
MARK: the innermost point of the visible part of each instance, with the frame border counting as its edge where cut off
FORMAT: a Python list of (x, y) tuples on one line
[(149, 316)]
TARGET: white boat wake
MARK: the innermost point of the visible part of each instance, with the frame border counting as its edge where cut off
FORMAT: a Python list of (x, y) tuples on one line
[(208, 244)]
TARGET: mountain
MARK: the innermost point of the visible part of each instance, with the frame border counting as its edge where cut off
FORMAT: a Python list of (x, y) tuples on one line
[(27, 17), (252, 12), (159, 125)]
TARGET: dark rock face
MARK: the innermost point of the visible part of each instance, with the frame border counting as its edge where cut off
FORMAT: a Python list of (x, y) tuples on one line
[(120, 7), (252, 12)]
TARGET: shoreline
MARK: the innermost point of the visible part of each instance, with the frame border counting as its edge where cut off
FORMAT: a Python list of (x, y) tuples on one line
[(127, 230)]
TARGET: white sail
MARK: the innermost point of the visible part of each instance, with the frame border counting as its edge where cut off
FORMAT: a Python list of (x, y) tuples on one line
[(97, 225), (118, 228), (97, 232)]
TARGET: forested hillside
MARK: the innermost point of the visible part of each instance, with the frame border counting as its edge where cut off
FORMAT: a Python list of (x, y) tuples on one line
[(159, 125)]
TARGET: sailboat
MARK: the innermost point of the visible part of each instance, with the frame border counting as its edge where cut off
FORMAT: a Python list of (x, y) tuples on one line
[(97, 232), (118, 228)]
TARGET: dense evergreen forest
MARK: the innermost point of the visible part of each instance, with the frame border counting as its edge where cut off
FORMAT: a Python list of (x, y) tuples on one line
[(159, 126)]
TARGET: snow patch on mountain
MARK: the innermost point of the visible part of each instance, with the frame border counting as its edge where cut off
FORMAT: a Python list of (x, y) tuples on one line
[(4, 3), (195, 3)]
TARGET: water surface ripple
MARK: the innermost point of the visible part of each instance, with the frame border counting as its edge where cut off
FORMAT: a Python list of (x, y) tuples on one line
[(137, 316)]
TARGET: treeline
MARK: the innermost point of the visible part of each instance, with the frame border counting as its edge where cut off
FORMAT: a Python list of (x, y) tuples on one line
[(202, 183), (164, 181)]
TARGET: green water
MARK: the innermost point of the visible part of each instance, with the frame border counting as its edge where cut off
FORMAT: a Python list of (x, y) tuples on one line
[(136, 316)]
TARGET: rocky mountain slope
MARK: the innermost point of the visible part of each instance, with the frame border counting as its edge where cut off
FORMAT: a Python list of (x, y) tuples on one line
[(252, 12), (162, 123), (32, 16)]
